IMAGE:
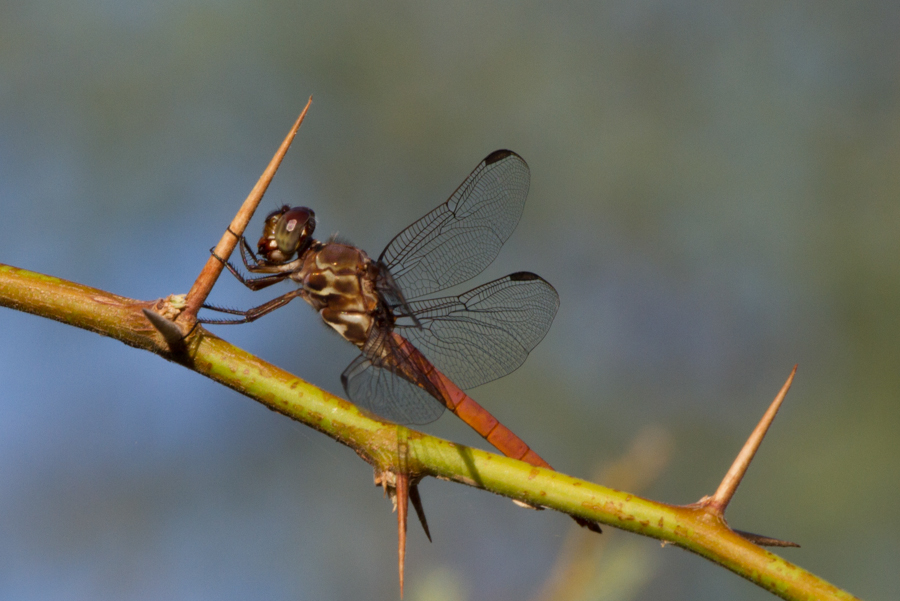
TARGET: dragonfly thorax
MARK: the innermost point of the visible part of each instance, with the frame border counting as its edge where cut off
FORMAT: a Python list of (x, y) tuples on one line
[(338, 280)]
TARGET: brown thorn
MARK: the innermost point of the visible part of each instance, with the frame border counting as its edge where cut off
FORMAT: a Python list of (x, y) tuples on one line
[(590, 525), (213, 268), (402, 491), (420, 510), (765, 541), (719, 501)]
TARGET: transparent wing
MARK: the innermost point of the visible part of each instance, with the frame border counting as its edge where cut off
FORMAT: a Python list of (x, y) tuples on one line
[(486, 333), (374, 382), (459, 239), (472, 339)]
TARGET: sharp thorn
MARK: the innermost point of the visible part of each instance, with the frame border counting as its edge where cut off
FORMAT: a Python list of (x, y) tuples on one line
[(213, 268), (169, 330), (420, 511), (402, 492), (719, 501), (590, 525), (765, 541)]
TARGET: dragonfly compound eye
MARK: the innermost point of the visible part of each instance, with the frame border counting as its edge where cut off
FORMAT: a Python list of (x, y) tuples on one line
[(267, 247), (291, 233)]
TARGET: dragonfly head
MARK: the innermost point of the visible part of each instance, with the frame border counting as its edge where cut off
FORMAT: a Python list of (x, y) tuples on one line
[(285, 233)]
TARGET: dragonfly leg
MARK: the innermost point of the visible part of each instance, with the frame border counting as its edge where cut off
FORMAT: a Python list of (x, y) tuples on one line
[(253, 262), (253, 313), (251, 283)]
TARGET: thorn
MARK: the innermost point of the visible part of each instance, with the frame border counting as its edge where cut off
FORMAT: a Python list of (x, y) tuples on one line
[(420, 511), (719, 501), (213, 268), (402, 492), (169, 330), (765, 541), (590, 525), (525, 505)]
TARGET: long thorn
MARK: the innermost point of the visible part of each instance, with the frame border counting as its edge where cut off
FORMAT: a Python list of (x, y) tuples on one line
[(213, 268), (402, 490), (765, 541), (719, 501)]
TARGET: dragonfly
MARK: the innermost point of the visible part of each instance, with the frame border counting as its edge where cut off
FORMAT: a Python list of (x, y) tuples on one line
[(418, 353)]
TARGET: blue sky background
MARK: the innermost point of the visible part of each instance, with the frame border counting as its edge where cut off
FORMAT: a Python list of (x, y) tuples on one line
[(714, 195)]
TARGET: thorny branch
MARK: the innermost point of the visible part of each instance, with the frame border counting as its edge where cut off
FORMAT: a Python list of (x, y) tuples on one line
[(149, 325)]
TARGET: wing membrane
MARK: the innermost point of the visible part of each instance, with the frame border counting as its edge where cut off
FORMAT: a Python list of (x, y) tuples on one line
[(472, 339), (457, 240), (486, 333), (373, 382)]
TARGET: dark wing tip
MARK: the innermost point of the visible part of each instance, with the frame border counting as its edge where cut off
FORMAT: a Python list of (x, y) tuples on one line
[(524, 276), (527, 276), (499, 155)]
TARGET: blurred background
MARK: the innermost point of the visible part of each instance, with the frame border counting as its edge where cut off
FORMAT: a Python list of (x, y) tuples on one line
[(714, 195)]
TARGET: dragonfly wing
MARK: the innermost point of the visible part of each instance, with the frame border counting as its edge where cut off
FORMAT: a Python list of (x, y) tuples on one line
[(388, 288), (459, 239), (487, 332), (372, 381)]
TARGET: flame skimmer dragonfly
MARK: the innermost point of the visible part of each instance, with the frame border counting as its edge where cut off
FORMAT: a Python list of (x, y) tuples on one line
[(418, 353)]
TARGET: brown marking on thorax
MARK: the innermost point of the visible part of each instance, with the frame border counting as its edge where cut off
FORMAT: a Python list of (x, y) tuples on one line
[(339, 282)]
